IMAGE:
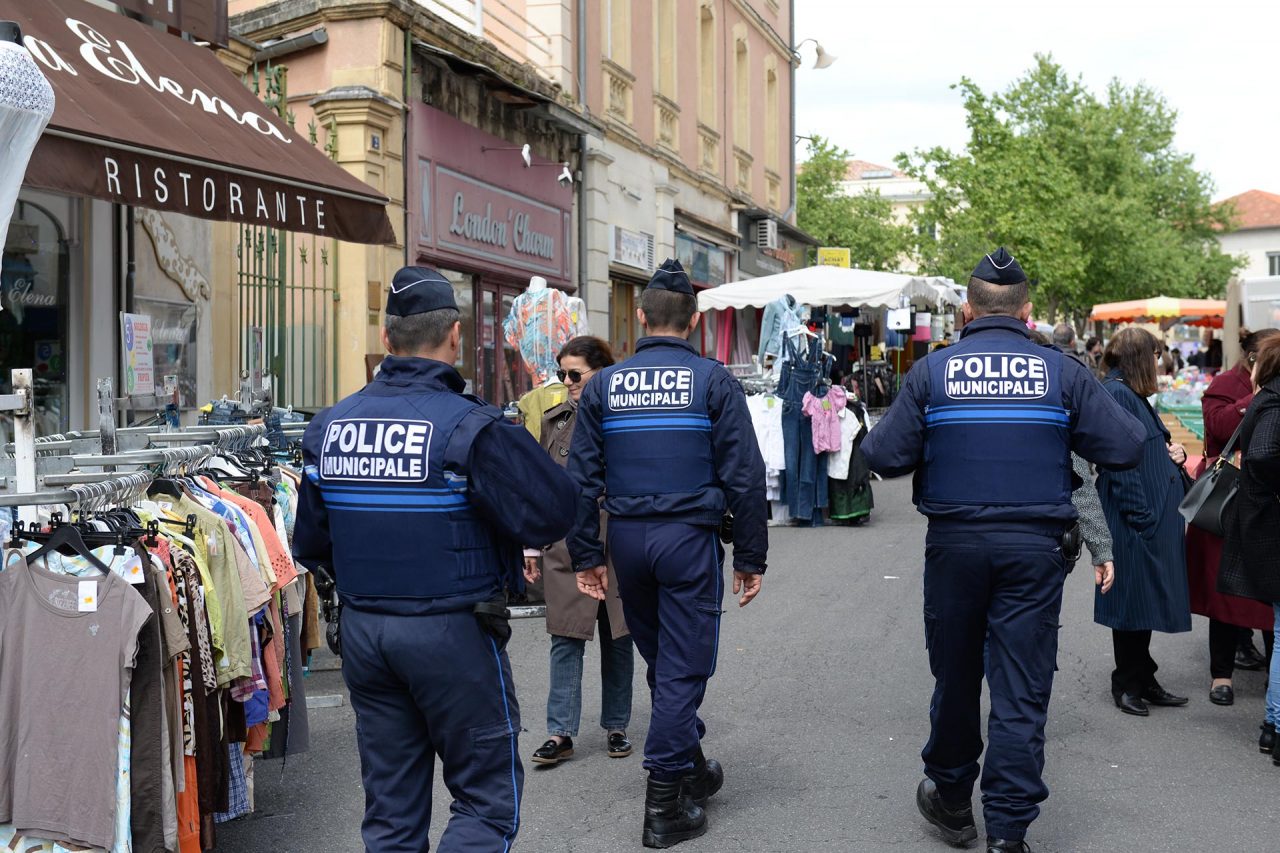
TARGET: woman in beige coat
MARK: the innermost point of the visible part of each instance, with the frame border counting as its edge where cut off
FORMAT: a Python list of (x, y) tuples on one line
[(572, 616)]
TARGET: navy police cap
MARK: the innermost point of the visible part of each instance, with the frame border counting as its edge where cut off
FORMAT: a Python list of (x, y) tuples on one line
[(671, 276), (999, 267), (417, 290)]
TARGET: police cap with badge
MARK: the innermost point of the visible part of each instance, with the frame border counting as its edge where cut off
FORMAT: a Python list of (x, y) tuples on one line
[(417, 290)]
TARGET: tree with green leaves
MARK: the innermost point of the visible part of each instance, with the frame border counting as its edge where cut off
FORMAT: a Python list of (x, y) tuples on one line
[(863, 224), (1088, 192)]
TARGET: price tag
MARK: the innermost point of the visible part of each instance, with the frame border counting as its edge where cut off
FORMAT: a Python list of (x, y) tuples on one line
[(770, 401), (132, 571), (826, 405), (212, 544), (87, 599), (170, 385)]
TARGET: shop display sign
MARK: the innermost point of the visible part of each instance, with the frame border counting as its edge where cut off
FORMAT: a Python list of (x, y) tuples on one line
[(703, 262), (830, 257), (174, 327), (631, 249), (139, 367)]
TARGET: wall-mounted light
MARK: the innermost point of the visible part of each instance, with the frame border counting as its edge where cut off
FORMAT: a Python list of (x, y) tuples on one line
[(822, 59)]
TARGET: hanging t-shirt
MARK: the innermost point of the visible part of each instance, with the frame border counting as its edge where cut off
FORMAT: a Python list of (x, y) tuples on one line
[(766, 419), (64, 670), (825, 414), (850, 426)]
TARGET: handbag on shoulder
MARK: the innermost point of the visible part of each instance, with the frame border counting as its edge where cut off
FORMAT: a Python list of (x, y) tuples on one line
[(1205, 503)]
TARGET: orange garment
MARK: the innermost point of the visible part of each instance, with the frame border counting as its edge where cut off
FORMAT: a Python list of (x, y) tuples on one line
[(281, 562), (257, 740), (189, 810)]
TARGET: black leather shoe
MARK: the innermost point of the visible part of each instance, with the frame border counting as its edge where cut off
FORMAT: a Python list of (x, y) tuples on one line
[(1267, 740), (954, 822), (1222, 695), (669, 816), (619, 746), (553, 753), (1249, 658), (1001, 845), (1131, 704), (706, 778), (1157, 695)]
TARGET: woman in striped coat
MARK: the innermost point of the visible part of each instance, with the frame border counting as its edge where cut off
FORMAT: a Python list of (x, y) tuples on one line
[(1141, 506)]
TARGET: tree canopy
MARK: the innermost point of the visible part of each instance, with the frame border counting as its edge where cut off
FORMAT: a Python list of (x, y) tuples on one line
[(863, 224), (1088, 192)]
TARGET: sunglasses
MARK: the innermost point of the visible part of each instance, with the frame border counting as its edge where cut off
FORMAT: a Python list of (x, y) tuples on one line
[(574, 376)]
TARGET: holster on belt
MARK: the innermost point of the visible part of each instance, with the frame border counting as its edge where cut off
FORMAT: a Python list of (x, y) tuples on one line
[(1072, 541), (493, 620)]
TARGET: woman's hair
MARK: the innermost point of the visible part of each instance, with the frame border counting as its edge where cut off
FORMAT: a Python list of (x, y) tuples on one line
[(594, 351), (1133, 351), (1268, 364), (1250, 341)]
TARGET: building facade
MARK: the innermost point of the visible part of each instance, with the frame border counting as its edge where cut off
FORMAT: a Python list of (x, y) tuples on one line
[(1257, 233)]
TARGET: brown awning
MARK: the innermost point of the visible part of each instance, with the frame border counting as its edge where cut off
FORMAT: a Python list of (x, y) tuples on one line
[(147, 119)]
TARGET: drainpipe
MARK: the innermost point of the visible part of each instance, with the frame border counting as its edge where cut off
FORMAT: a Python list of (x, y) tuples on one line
[(408, 158), (582, 154), (791, 144)]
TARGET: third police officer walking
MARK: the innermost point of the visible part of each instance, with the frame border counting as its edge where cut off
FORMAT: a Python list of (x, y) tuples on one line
[(988, 426), (666, 438), (416, 499)]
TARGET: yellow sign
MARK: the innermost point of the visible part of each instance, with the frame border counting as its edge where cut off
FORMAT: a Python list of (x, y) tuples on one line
[(833, 258)]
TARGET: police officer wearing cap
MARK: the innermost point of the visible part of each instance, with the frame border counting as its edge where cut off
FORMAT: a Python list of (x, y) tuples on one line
[(666, 438), (414, 499), (987, 426)]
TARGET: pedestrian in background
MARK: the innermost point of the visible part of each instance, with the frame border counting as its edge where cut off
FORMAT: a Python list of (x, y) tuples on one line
[(1093, 351), (571, 616), (1141, 505), (667, 439), (1224, 404), (987, 426), (1251, 552)]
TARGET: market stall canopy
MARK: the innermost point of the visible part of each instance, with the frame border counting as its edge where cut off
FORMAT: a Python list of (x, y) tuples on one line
[(833, 287), (1159, 309), (147, 119)]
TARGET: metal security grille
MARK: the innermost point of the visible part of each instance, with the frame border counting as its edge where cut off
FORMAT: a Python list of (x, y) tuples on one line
[(286, 290)]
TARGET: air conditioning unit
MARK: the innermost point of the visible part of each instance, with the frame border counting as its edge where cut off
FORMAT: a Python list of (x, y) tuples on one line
[(766, 234)]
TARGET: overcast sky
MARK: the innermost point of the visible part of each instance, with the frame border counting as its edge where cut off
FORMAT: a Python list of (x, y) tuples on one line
[(1216, 63)]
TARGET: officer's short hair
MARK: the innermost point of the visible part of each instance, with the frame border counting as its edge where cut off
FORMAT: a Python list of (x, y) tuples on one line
[(1064, 335), (667, 309), (419, 332), (986, 298)]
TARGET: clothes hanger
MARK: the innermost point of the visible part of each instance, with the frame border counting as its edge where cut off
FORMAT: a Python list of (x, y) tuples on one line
[(68, 536)]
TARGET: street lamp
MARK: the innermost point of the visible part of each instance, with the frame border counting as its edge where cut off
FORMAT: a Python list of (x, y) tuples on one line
[(822, 59)]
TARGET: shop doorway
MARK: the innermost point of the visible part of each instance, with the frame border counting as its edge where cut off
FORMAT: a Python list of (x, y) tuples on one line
[(500, 374)]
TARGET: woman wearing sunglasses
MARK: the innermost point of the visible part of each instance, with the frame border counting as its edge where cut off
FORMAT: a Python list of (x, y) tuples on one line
[(571, 616)]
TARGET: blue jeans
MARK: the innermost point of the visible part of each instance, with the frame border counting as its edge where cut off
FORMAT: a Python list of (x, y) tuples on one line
[(564, 701), (1273, 685)]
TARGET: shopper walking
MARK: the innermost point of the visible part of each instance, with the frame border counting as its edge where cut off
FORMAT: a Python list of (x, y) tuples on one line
[(413, 496), (1224, 404), (571, 616), (987, 426), (1251, 552), (1141, 505)]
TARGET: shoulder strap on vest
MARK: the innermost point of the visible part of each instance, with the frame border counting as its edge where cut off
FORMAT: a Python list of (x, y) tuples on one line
[(458, 450)]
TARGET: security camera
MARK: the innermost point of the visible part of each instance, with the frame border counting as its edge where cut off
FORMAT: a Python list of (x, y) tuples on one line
[(526, 154), (565, 178)]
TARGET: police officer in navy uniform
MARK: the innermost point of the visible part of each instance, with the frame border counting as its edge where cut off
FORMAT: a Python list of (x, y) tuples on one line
[(415, 498), (987, 425), (666, 438)]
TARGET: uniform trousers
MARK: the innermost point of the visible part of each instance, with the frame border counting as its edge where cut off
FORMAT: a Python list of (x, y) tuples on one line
[(428, 686), (671, 581), (998, 590)]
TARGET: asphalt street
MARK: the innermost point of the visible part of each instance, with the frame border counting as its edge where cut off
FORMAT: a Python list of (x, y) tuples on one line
[(818, 712)]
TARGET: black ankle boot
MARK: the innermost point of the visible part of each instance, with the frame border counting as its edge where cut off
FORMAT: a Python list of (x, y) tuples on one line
[(1267, 740), (706, 778), (669, 816)]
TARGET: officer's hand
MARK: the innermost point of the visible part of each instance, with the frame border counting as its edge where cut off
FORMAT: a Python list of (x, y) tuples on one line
[(748, 583), (1105, 576), (1177, 453), (595, 582), (531, 571)]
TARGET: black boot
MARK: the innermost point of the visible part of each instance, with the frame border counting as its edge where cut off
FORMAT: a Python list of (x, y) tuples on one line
[(954, 821), (1001, 845), (704, 780), (1267, 740), (669, 816)]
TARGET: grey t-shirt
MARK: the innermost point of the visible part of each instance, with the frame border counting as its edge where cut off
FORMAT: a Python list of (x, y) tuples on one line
[(63, 676)]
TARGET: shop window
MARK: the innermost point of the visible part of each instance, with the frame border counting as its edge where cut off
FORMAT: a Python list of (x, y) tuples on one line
[(174, 352), (34, 276)]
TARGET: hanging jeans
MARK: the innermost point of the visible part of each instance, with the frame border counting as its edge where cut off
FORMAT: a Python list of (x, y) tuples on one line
[(806, 474)]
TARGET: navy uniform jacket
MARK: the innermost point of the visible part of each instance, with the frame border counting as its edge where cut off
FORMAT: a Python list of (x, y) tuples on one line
[(418, 498), (988, 425), (666, 436)]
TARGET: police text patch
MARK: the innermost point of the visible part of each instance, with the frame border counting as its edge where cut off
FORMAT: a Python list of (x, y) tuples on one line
[(376, 450), (996, 376), (633, 388)]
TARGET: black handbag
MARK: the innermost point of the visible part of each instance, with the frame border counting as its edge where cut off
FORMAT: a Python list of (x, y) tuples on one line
[(1205, 503)]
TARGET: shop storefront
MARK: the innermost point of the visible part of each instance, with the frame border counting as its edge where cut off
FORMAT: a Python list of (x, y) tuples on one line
[(489, 226), (709, 255), (631, 262)]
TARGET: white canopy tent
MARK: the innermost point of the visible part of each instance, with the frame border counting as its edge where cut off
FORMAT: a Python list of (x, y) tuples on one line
[(834, 287)]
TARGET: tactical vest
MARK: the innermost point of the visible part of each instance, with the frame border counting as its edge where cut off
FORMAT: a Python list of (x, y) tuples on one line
[(997, 431), (400, 521), (657, 430)]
